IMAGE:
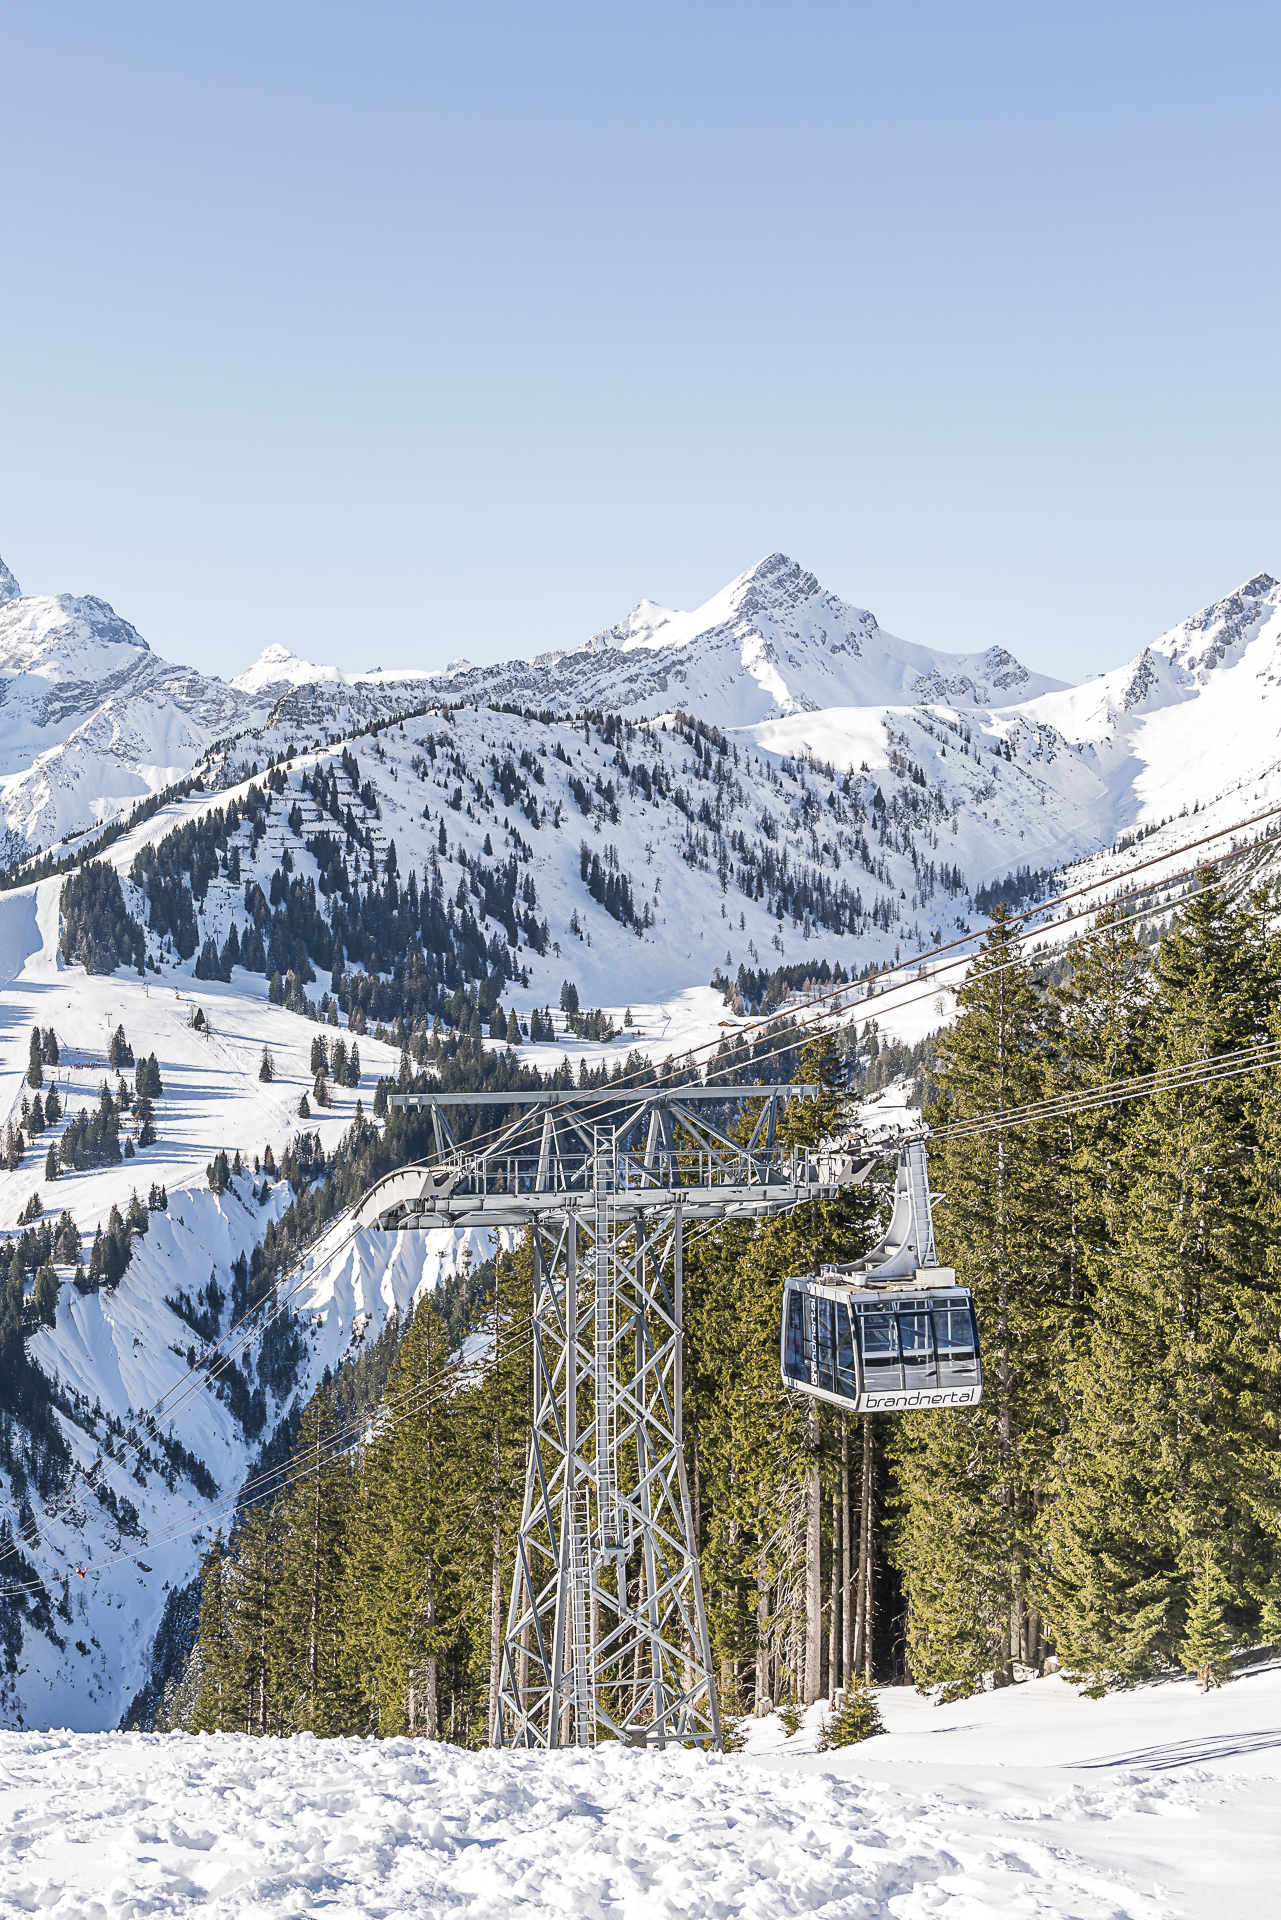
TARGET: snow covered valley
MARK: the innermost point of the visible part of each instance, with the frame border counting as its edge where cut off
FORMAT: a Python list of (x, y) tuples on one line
[(1031, 1802)]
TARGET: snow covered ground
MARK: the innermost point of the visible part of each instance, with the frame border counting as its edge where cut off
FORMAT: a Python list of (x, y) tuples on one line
[(1031, 1802)]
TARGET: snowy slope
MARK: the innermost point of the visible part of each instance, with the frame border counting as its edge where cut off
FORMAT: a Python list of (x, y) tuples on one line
[(117, 1353), (94, 719), (1147, 1806), (917, 782), (772, 642), (126, 1348)]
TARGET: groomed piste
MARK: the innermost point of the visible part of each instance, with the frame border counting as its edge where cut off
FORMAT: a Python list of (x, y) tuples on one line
[(1028, 1802)]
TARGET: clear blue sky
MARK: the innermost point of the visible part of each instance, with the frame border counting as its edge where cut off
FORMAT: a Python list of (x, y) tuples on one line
[(397, 332)]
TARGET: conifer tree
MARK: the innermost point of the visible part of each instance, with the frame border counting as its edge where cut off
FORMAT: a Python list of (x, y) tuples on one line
[(1261, 1394), (493, 1426), (1102, 1036), (403, 1538), (254, 1591), (219, 1704), (1207, 1640), (758, 1454), (1163, 1460), (857, 1717), (310, 1673), (968, 1480)]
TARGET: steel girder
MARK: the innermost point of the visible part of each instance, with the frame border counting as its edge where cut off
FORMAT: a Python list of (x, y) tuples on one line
[(606, 1634), (606, 1628)]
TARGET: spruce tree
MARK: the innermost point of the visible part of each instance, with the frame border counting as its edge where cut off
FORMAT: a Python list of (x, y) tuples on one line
[(403, 1540), (493, 1423), (1102, 1037), (219, 1704), (310, 1674), (1207, 1641), (857, 1717), (968, 1480), (254, 1593), (1260, 1458), (1162, 1460), (760, 1457)]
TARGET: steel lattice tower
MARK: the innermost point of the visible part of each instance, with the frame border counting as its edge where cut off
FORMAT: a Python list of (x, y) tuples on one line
[(606, 1634)]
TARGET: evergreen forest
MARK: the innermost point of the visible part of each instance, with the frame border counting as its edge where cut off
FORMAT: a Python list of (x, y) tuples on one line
[(1108, 1187)]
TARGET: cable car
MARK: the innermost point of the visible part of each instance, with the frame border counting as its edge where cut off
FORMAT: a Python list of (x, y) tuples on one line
[(890, 1332)]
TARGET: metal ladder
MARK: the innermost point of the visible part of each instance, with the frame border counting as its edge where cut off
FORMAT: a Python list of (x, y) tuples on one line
[(603, 1327), (918, 1181), (580, 1575)]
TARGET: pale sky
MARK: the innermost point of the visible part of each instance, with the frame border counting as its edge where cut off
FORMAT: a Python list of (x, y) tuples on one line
[(399, 332)]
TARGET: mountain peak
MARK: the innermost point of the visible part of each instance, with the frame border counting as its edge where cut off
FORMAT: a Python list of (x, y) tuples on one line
[(277, 666), (776, 577), (1204, 640), (9, 588)]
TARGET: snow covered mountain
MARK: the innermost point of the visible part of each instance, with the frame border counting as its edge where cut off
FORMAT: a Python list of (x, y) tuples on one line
[(92, 719), (787, 786), (772, 642), (95, 720)]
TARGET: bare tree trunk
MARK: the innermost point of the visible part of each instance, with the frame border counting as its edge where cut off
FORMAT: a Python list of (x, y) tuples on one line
[(313, 1637), (1031, 1638), (847, 1589), (421, 1710), (813, 1571), (431, 1713), (495, 1625), (762, 1651), (834, 1605), (862, 1622)]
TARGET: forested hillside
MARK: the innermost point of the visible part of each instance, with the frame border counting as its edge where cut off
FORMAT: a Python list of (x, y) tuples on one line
[(1115, 1502)]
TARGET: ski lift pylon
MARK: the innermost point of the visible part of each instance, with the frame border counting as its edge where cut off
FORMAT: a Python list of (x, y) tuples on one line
[(891, 1332)]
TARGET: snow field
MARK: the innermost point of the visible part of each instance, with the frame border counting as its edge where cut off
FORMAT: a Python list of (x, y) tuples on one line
[(212, 1094), (1028, 1803), (126, 1349)]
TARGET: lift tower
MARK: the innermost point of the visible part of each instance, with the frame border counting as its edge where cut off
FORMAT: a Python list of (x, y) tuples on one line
[(606, 1633)]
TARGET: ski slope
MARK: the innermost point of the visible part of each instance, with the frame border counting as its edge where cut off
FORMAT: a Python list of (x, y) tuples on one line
[(1031, 1802)]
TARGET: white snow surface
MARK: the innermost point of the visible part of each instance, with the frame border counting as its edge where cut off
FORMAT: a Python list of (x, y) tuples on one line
[(1028, 1803)]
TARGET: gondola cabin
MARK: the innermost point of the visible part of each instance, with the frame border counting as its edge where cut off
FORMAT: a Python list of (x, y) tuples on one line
[(890, 1332), (876, 1352)]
